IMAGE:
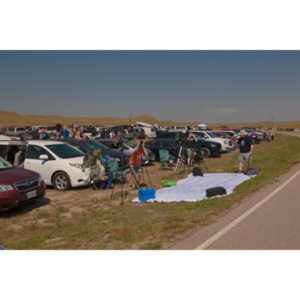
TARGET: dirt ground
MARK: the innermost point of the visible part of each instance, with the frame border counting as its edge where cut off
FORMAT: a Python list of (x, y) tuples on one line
[(76, 199)]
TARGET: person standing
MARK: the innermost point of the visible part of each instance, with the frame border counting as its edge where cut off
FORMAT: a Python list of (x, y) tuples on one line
[(272, 134), (44, 134), (190, 148), (245, 148), (58, 129), (65, 132), (135, 161)]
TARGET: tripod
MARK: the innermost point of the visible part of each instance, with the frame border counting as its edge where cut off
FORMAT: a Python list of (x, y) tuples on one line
[(125, 182), (180, 160)]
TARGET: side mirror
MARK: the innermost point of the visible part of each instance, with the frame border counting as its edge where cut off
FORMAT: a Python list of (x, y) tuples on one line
[(44, 157)]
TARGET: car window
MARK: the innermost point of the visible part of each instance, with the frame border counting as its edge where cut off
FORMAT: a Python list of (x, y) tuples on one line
[(78, 147), (34, 152), (97, 145), (212, 135), (5, 164), (65, 151), (3, 151)]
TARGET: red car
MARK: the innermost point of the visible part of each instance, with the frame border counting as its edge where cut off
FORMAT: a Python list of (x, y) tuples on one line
[(18, 186)]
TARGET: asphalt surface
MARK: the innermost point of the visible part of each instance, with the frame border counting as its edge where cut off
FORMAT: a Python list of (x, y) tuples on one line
[(268, 219)]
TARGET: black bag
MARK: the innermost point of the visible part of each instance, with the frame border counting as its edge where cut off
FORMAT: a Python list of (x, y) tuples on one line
[(197, 171), (215, 191), (252, 172)]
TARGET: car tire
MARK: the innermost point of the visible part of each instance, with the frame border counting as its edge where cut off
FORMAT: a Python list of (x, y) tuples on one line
[(205, 152), (61, 181)]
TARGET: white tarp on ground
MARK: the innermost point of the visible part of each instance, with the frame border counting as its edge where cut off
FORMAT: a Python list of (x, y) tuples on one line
[(192, 189)]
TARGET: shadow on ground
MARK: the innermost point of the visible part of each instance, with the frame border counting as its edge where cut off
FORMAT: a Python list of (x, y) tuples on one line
[(25, 208)]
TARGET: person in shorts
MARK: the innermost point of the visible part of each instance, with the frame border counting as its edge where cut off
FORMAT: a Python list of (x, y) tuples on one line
[(190, 148), (135, 161), (245, 147)]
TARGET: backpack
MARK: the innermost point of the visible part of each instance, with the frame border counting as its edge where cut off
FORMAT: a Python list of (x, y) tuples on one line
[(197, 171), (215, 191), (252, 172)]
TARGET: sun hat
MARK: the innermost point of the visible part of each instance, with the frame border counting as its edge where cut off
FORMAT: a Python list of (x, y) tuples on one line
[(243, 133)]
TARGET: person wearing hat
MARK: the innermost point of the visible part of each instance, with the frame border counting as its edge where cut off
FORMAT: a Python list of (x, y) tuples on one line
[(245, 148)]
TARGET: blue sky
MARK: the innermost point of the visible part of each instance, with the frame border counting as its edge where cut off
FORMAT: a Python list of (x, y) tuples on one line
[(206, 86)]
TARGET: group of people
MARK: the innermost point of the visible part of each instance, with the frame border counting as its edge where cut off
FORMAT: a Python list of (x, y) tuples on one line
[(63, 132)]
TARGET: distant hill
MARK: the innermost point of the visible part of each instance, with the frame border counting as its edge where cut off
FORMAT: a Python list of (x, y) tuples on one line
[(12, 118)]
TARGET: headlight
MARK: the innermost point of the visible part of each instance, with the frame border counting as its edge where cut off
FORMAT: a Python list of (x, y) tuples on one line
[(5, 188), (213, 145), (75, 165)]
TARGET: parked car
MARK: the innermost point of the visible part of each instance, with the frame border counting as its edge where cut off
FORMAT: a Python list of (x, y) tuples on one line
[(227, 135), (18, 186), (15, 131), (169, 134), (209, 148), (58, 163), (168, 144), (203, 148), (226, 145), (91, 145)]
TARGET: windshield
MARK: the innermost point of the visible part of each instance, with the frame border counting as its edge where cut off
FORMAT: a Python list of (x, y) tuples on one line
[(4, 164), (65, 151), (131, 144), (229, 134), (212, 135), (94, 145)]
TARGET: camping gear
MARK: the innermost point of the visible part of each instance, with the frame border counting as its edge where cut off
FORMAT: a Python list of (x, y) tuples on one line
[(193, 188), (215, 191), (114, 174), (164, 158), (252, 172), (146, 194), (197, 171), (169, 184)]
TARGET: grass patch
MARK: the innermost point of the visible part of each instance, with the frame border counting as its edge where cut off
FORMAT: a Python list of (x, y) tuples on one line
[(62, 209), (43, 214), (148, 225)]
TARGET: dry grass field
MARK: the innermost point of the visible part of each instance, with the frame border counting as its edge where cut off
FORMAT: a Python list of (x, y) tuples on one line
[(88, 219)]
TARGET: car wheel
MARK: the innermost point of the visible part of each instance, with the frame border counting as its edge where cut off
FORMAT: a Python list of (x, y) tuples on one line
[(61, 181), (205, 152)]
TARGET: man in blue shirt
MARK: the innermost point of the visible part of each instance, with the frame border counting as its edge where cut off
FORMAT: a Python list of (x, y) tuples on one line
[(44, 134), (65, 133), (246, 149)]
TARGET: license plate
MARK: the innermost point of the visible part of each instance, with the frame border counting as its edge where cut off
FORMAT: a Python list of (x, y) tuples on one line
[(31, 194)]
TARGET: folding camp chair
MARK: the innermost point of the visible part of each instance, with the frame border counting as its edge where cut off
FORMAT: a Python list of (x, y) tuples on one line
[(164, 158), (115, 173)]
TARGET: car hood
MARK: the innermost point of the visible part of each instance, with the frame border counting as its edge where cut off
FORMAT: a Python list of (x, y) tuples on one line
[(115, 153), (10, 176), (217, 140)]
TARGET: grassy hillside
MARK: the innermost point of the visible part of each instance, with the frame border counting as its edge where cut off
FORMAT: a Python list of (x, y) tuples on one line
[(12, 118)]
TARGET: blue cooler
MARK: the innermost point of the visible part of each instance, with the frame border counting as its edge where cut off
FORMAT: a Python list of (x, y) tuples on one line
[(146, 194)]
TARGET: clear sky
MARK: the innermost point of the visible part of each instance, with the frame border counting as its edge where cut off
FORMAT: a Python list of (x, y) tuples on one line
[(205, 86)]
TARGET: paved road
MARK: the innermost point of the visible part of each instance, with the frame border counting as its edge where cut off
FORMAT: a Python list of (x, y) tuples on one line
[(268, 219)]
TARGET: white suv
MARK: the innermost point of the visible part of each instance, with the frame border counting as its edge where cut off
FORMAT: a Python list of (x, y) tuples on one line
[(58, 163), (226, 145)]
